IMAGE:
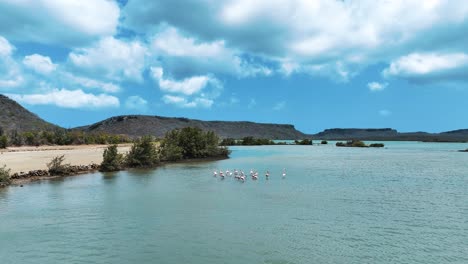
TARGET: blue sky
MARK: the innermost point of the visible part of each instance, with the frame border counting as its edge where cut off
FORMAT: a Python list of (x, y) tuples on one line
[(315, 64)]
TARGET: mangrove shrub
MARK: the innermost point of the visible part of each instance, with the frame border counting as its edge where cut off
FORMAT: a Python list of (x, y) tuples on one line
[(111, 159), (143, 153)]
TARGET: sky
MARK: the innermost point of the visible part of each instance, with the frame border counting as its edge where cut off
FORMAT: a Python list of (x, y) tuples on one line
[(314, 64)]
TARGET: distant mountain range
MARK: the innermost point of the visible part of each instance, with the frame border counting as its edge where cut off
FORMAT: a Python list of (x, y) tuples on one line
[(389, 134), (139, 125), (14, 117)]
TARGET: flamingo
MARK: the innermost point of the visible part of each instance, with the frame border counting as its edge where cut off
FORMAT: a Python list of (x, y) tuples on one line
[(267, 174), (284, 173), (215, 173)]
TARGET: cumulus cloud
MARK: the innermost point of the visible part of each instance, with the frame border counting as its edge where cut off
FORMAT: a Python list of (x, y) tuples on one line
[(112, 58), (10, 73), (184, 55), (190, 92), (136, 102), (376, 86), (5, 47), (187, 86), (429, 66), (361, 33), (39, 63), (71, 22), (108, 87), (185, 103), (68, 99)]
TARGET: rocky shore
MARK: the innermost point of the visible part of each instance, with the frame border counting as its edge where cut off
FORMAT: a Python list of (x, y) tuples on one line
[(19, 178), (34, 175)]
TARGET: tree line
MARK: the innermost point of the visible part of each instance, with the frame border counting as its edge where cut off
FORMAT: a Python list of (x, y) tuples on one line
[(58, 137), (178, 144), (251, 141)]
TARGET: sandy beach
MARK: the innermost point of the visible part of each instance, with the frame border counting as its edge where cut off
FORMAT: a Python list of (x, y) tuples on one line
[(23, 159)]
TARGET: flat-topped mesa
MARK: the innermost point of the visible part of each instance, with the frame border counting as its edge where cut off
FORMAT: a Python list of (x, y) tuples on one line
[(356, 133), (140, 125)]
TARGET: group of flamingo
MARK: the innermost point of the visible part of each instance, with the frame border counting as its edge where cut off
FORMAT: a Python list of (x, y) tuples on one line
[(240, 175)]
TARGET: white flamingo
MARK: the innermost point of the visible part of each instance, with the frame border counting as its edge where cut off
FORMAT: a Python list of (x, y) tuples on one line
[(284, 173), (215, 173)]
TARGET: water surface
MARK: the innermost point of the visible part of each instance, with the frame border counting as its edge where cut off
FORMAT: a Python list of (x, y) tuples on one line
[(407, 203)]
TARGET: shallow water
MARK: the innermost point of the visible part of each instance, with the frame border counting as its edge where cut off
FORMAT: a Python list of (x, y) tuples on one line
[(407, 203)]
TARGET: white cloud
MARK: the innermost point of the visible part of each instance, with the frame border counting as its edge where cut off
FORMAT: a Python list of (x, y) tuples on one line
[(108, 87), (300, 35), (68, 22), (385, 112), (170, 42), (10, 72), (192, 92), (39, 63), (10, 83), (6, 49), (185, 103), (136, 102), (185, 55), (376, 86), (68, 99), (279, 106), (421, 66), (112, 58), (188, 86)]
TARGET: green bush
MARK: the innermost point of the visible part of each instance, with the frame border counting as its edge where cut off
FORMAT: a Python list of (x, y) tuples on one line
[(3, 142), (143, 153), (4, 175), (324, 142), (357, 144), (190, 143), (111, 159), (303, 142), (340, 144), (56, 166), (377, 145), (228, 142)]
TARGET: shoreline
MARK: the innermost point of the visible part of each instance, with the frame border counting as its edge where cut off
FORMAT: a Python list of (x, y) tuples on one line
[(29, 164)]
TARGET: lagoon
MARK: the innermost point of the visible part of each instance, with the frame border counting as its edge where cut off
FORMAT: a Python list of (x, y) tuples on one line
[(405, 203)]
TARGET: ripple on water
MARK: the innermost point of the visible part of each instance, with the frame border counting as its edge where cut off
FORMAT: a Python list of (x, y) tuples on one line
[(404, 204)]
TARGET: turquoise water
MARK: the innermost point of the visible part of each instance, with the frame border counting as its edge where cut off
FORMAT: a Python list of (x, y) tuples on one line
[(407, 203)]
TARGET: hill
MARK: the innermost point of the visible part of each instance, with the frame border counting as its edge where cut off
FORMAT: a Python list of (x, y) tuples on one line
[(460, 135), (139, 125), (15, 117)]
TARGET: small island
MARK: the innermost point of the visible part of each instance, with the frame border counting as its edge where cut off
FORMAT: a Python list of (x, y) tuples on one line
[(359, 144)]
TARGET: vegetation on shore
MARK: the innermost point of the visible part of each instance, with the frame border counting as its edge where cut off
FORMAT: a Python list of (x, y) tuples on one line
[(4, 176), (112, 160), (251, 141), (178, 144), (58, 137), (358, 144), (142, 154)]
